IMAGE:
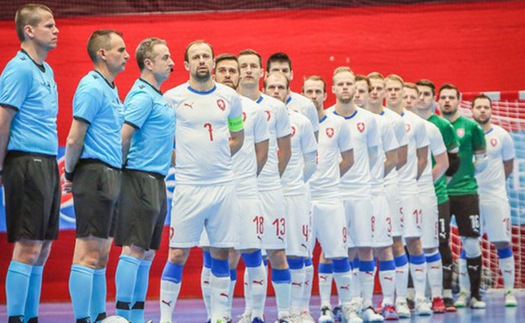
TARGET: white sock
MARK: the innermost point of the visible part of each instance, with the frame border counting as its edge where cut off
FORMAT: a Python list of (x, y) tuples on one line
[(435, 277), (282, 298), (205, 288), (258, 282), (247, 292), (387, 278), (401, 281), (219, 289), (169, 292), (506, 265), (308, 284), (355, 288), (325, 288), (419, 277), (464, 280), (366, 281), (230, 294), (297, 290), (343, 282)]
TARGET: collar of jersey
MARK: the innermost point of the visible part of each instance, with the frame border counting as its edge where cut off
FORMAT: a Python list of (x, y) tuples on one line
[(111, 85), (347, 117), (490, 130), (323, 118), (41, 67), (289, 99), (259, 100), (202, 92), (156, 90)]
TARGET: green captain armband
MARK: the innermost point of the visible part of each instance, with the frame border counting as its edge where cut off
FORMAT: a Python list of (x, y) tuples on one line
[(235, 124)]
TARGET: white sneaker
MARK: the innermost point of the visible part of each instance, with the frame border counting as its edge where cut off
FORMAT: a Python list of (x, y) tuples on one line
[(402, 308), (245, 317), (306, 317), (462, 300), (370, 315), (423, 308), (477, 303), (510, 299), (350, 313), (326, 315)]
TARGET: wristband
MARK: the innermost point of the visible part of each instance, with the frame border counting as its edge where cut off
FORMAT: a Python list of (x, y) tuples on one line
[(68, 176)]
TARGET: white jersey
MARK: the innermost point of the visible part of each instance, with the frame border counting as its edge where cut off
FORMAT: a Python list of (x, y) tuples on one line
[(279, 127), (245, 160), (202, 134), (304, 105), (334, 138), (388, 143), (303, 142), (500, 148), (356, 183), (417, 138), (402, 139), (436, 147)]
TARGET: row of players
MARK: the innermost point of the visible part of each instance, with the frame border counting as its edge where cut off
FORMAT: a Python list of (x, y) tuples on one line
[(262, 187)]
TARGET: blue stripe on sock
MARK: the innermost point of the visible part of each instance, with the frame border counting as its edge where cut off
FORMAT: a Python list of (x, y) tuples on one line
[(281, 276), (220, 268), (401, 260), (387, 265), (325, 268), (265, 261), (172, 272), (308, 262), (253, 259), (417, 260), (295, 263), (206, 259), (233, 274), (341, 265), (463, 254), (355, 263), (366, 265), (434, 257), (505, 253)]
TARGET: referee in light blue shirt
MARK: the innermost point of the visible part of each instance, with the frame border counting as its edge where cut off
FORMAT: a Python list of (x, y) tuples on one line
[(92, 172), (28, 166), (147, 146)]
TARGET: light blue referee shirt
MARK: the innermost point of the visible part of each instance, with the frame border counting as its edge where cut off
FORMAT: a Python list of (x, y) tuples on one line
[(149, 113), (30, 89), (97, 103)]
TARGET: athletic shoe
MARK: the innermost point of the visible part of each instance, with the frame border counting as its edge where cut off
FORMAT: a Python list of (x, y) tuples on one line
[(257, 320), (370, 315), (288, 319), (149, 321), (389, 312), (423, 308), (477, 303), (350, 314), (449, 305), (462, 300), (402, 308), (438, 306), (305, 317), (245, 318), (510, 299), (338, 314), (411, 304), (326, 315)]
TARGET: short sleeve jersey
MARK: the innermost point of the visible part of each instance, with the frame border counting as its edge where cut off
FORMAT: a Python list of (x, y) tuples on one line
[(471, 138), (401, 135), (146, 110), (356, 183), (451, 142), (500, 148), (417, 138), (96, 102), (31, 91), (388, 143), (303, 142), (202, 134), (334, 138), (436, 147), (244, 161), (279, 127), (302, 104)]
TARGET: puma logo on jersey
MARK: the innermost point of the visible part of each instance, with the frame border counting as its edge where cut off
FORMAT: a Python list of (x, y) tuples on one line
[(280, 238), (188, 105), (167, 303), (304, 246)]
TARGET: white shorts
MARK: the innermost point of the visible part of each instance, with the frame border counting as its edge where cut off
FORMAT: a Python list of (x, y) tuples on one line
[(394, 210), (329, 227), (358, 215), (411, 215), (197, 207), (429, 227), (381, 221), (275, 219), (298, 227), (495, 219)]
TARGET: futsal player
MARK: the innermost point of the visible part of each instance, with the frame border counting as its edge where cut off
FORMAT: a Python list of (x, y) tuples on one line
[(93, 162), (462, 188), (209, 131), (28, 166), (147, 145)]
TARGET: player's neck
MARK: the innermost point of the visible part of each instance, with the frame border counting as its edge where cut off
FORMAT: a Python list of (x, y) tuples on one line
[(38, 55), (424, 113), (451, 117), (345, 109), (397, 108), (105, 72), (203, 86), (320, 113), (249, 92), (377, 109), (486, 126), (150, 78)]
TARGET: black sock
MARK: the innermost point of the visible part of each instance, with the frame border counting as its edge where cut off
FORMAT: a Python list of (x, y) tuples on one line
[(474, 274)]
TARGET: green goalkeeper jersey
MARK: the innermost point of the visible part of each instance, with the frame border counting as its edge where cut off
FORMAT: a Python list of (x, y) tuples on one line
[(471, 138), (451, 142)]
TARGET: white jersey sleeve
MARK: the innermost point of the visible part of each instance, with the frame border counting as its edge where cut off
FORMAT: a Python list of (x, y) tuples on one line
[(302, 104), (345, 138)]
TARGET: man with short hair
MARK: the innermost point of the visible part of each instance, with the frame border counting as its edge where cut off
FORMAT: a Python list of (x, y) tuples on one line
[(335, 157), (493, 200), (425, 109), (93, 162), (147, 145), (209, 131), (462, 188), (28, 166)]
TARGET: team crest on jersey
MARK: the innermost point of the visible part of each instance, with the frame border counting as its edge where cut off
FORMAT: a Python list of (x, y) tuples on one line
[(493, 142), (243, 116), (293, 131), (460, 132), (221, 104), (268, 115), (330, 132), (360, 126), (407, 127)]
